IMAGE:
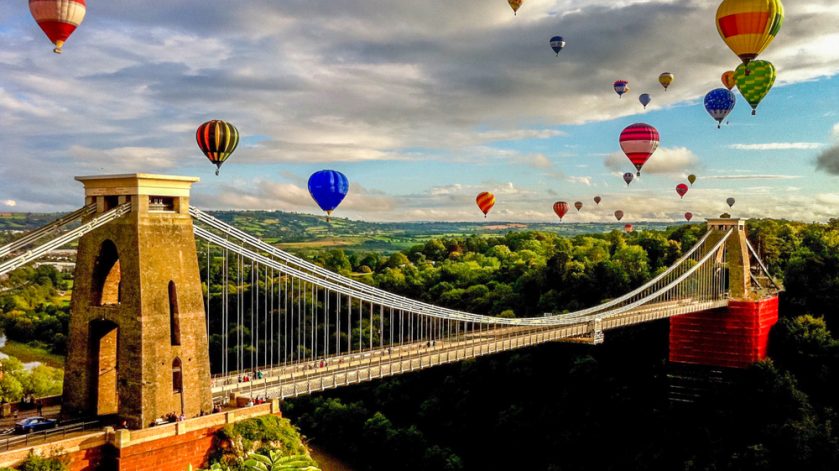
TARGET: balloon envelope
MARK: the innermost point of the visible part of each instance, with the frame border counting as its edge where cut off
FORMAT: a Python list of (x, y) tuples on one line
[(515, 5), (619, 215), (557, 43), (628, 228), (578, 205), (692, 178), (718, 103), (645, 99), (638, 142), (730, 202), (755, 82), (560, 208), (748, 26), (627, 177), (328, 188), (688, 216), (621, 87), (665, 79), (217, 140), (485, 201), (681, 189), (597, 200), (58, 18), (728, 79)]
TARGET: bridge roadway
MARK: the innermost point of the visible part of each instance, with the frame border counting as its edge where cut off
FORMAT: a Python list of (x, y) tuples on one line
[(307, 376)]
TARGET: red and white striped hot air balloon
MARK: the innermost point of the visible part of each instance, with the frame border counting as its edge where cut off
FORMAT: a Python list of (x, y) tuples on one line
[(58, 18), (638, 142)]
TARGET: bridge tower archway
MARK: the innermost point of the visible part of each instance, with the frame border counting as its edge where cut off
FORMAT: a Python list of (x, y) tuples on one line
[(136, 280)]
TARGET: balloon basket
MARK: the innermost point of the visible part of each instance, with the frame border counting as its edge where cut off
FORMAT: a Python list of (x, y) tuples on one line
[(754, 112)]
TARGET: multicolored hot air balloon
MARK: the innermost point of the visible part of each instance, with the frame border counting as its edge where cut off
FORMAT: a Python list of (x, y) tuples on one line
[(627, 177), (578, 205), (621, 87), (597, 200), (755, 82), (619, 215), (628, 228), (328, 188), (485, 201), (692, 178), (638, 142), (688, 216), (728, 79), (718, 103), (557, 43), (665, 79), (645, 99), (730, 201), (748, 26), (515, 5), (560, 208), (217, 139), (682, 190), (58, 18)]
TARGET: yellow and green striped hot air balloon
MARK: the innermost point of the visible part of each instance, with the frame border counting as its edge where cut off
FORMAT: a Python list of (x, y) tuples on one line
[(748, 26), (755, 82), (217, 140)]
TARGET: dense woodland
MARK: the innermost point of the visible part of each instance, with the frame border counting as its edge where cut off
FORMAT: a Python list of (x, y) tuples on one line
[(555, 406)]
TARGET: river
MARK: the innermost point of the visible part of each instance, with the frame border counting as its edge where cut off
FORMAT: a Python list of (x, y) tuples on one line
[(327, 461), (28, 365)]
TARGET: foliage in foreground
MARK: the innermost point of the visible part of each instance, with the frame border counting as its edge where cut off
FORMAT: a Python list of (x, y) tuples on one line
[(33, 462), (265, 443)]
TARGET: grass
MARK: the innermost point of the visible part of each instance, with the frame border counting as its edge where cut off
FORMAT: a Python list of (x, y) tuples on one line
[(27, 353)]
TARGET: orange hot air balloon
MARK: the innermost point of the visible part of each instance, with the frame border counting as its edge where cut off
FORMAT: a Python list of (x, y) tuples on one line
[(681, 189), (688, 216), (58, 18), (728, 79), (578, 205), (628, 228), (748, 26), (515, 5), (560, 208), (485, 201), (619, 215)]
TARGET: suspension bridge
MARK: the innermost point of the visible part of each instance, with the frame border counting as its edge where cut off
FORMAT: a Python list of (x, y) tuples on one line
[(174, 309)]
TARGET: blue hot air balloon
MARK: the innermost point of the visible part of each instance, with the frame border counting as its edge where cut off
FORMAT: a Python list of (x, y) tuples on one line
[(557, 43), (328, 188), (645, 99), (719, 102)]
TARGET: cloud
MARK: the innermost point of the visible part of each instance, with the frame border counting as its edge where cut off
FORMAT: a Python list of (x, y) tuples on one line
[(751, 177), (665, 160), (777, 146), (580, 180), (835, 132), (10, 203), (536, 161), (828, 160)]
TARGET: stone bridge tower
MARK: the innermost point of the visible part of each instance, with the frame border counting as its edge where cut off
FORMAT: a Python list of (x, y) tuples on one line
[(137, 347), (739, 265)]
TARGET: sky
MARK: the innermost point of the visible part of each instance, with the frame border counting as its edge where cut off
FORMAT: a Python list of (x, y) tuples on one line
[(422, 105)]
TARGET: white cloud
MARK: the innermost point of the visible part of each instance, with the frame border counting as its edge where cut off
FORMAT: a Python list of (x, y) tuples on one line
[(777, 146), (835, 132), (751, 177), (10, 203), (665, 160), (580, 180)]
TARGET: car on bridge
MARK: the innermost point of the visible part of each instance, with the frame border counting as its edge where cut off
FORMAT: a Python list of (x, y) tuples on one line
[(33, 424)]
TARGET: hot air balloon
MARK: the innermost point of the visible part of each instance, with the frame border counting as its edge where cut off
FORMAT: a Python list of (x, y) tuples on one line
[(627, 177), (730, 201), (560, 208), (628, 228), (756, 82), (58, 18), (619, 215), (718, 103), (557, 43), (682, 190), (515, 5), (578, 205), (485, 201), (217, 139), (691, 178), (638, 142), (645, 99), (597, 200), (621, 87), (688, 216), (328, 188), (665, 79), (748, 26), (728, 79)]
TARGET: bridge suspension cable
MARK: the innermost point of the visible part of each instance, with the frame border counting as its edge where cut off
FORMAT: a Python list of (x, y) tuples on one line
[(36, 234)]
